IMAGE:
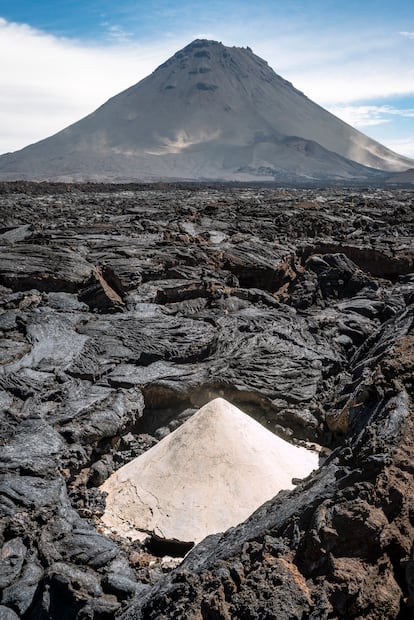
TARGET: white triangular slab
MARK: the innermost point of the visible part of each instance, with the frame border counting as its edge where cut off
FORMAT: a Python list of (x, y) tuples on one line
[(208, 475)]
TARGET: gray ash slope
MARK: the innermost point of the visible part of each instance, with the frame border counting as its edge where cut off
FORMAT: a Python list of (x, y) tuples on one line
[(121, 312), (209, 112)]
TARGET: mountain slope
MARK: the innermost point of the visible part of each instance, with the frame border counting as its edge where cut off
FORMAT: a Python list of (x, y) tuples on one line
[(209, 112)]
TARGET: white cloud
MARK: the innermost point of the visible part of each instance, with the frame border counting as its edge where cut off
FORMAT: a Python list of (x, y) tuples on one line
[(116, 33), (366, 116), (369, 115), (408, 35), (341, 67), (353, 81), (47, 83), (403, 145)]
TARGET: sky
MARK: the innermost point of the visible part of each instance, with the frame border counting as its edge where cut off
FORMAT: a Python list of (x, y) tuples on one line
[(62, 60)]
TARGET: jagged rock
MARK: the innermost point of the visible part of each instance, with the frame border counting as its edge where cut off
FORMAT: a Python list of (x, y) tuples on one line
[(82, 545), (21, 593), (36, 448), (17, 233), (257, 264), (122, 586), (45, 268), (174, 290), (121, 581), (91, 412), (7, 614), (341, 278), (12, 555), (100, 470), (54, 342), (145, 340), (25, 493), (66, 302), (373, 261), (73, 591), (103, 290)]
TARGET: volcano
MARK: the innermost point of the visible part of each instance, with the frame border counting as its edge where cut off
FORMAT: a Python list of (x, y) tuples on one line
[(210, 112)]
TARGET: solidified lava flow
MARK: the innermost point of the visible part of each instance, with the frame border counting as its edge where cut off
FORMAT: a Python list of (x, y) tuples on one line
[(123, 310)]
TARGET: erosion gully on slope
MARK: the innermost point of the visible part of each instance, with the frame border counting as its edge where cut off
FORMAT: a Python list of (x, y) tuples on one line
[(124, 310)]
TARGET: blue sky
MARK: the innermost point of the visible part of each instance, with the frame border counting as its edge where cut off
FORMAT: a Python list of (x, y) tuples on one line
[(61, 60)]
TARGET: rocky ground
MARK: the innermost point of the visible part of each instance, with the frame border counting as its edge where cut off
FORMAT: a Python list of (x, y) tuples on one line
[(123, 310)]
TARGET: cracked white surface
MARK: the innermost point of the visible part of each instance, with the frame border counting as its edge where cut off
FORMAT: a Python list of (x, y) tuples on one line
[(208, 475)]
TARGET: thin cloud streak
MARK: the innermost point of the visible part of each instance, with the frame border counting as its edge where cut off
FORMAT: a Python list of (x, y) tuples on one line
[(117, 34), (369, 115)]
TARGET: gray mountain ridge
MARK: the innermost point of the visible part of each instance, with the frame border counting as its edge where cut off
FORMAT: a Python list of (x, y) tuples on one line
[(209, 113)]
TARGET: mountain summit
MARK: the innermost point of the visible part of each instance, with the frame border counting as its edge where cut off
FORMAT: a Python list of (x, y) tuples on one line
[(210, 112)]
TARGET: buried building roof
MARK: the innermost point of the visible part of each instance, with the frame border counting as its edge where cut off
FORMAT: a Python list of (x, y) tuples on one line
[(208, 475)]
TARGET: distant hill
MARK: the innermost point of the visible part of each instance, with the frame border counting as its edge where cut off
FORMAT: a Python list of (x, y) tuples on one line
[(402, 178)]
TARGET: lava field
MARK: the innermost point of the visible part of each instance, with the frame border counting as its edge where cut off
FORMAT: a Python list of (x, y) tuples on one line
[(123, 310)]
